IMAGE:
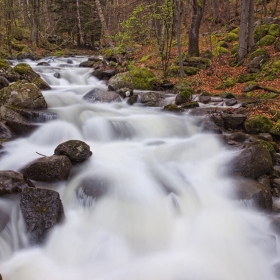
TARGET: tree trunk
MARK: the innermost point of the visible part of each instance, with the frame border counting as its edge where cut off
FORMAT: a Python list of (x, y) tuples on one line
[(242, 43), (80, 34), (216, 12), (275, 8), (251, 41), (197, 13), (178, 11), (103, 23)]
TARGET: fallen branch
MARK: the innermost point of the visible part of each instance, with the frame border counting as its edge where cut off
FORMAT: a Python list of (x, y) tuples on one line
[(269, 89), (42, 156)]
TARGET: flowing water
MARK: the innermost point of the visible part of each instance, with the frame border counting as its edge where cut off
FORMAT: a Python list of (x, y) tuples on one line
[(168, 214)]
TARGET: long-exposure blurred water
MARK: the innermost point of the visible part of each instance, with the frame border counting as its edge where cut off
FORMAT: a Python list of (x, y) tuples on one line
[(169, 213)]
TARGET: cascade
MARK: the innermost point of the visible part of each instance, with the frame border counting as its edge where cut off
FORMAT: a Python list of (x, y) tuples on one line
[(168, 213)]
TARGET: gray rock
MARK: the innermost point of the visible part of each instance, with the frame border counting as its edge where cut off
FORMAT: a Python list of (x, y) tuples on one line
[(48, 169), (256, 63), (42, 210), (99, 95), (3, 82), (121, 80), (5, 132), (15, 122), (233, 121), (132, 99), (152, 99), (77, 151), (13, 182), (253, 161)]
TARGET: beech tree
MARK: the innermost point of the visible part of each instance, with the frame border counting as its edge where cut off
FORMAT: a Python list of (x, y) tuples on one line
[(197, 13), (246, 37)]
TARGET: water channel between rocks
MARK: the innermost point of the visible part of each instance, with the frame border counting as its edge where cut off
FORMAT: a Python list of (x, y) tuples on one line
[(168, 213)]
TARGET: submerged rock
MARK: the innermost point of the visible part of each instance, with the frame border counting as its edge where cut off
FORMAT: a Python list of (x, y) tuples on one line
[(98, 95), (48, 169), (42, 209), (77, 151), (13, 182), (248, 189)]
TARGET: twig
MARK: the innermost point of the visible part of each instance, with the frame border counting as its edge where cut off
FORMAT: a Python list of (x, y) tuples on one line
[(42, 156)]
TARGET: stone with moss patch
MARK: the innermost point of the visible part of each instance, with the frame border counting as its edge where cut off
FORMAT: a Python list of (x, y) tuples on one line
[(184, 96), (41, 84), (260, 31), (235, 30), (172, 108), (220, 50), (258, 124), (227, 94), (229, 82), (231, 36), (25, 71), (199, 62), (269, 147), (274, 30), (267, 40), (22, 94), (275, 130), (247, 77), (258, 52)]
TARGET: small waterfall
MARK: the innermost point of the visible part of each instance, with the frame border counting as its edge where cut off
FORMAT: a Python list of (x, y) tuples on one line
[(165, 209)]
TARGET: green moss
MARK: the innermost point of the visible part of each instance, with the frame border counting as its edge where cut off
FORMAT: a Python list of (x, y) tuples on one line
[(23, 68), (189, 71), (58, 53), (229, 82), (141, 78), (269, 147), (145, 58), (258, 124), (247, 77), (276, 129), (18, 47), (171, 108), (235, 30), (174, 70), (199, 62), (274, 30), (276, 66), (4, 64), (260, 31), (258, 52), (41, 84), (267, 40), (182, 86), (231, 37), (220, 50), (234, 49)]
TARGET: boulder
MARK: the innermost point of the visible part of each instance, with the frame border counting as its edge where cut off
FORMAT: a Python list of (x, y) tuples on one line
[(258, 124), (3, 82), (15, 122), (48, 169), (77, 151), (6, 71), (209, 125), (248, 189), (184, 95), (233, 121), (43, 63), (125, 92), (256, 64), (135, 78), (152, 99), (13, 182), (23, 95), (42, 209), (253, 161), (98, 95), (172, 108), (132, 99), (27, 73), (87, 64), (237, 137)]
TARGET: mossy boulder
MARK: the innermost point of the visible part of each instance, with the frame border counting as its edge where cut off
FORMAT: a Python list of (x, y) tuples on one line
[(41, 84), (198, 62), (189, 71), (274, 30), (184, 96), (219, 50), (258, 124), (4, 65), (260, 31), (267, 40), (277, 45), (269, 147), (77, 151), (235, 30), (24, 95), (228, 82), (25, 71), (231, 36), (228, 95), (247, 77), (234, 49), (275, 130), (258, 52), (172, 108), (6, 71), (136, 78)]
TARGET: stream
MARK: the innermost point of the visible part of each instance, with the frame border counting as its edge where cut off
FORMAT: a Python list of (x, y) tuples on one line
[(168, 213)]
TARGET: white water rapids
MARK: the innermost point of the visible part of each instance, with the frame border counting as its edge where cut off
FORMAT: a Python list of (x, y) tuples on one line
[(168, 214)]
